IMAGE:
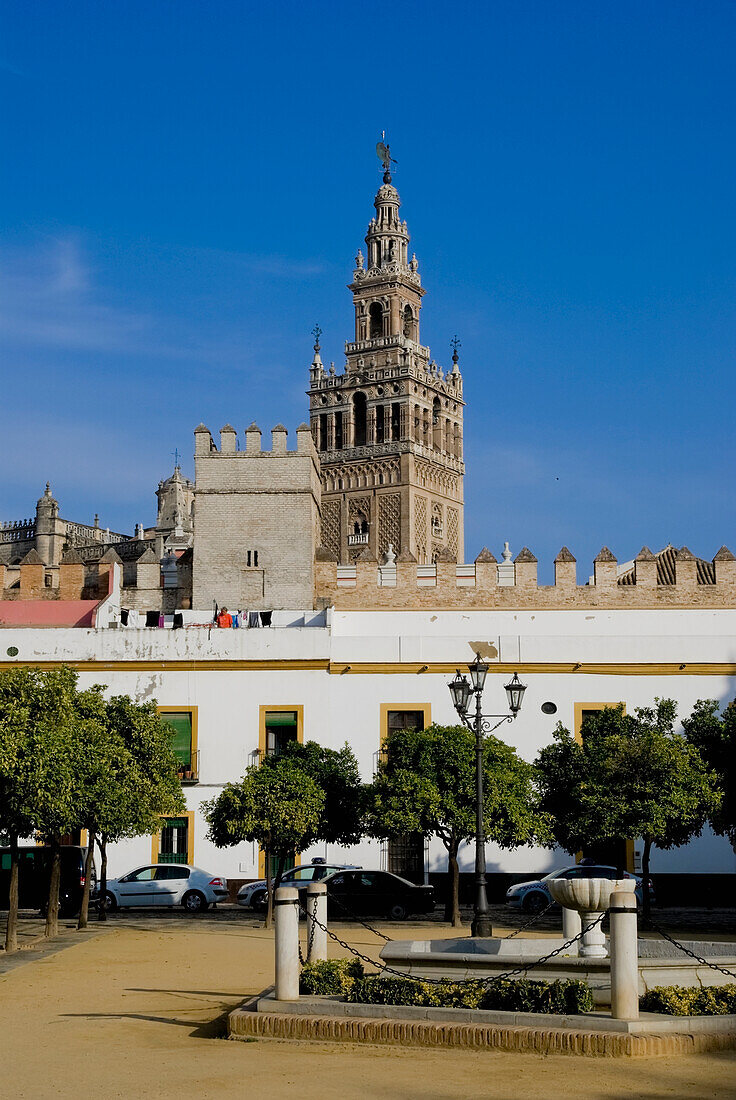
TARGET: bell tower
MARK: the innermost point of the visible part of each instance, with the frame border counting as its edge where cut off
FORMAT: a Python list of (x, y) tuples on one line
[(388, 429)]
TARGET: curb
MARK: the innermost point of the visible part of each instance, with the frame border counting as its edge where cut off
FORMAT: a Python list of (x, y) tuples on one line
[(247, 1024)]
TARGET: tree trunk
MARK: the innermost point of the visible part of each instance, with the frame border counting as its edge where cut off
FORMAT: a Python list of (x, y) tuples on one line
[(452, 909), (102, 845), (646, 909), (269, 889), (84, 909), (11, 929), (52, 905)]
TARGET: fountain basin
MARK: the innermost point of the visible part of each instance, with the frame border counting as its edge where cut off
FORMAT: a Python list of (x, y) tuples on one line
[(465, 957), (590, 897)]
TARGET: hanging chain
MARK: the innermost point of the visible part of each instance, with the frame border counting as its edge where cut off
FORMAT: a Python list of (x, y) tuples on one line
[(312, 930), (354, 916), (533, 921), (687, 951), (384, 969), (350, 913)]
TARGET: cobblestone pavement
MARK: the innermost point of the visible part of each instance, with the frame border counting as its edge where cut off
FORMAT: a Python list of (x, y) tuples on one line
[(692, 923)]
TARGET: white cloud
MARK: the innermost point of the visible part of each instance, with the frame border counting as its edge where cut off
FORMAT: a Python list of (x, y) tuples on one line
[(48, 299), (52, 298)]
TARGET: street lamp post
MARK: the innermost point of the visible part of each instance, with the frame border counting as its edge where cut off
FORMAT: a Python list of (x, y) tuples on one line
[(461, 691)]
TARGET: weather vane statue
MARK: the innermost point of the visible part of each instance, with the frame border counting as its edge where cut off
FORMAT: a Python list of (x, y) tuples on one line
[(383, 152)]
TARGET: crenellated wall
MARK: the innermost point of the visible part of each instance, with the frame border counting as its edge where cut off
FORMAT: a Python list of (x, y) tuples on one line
[(256, 520), (485, 584)]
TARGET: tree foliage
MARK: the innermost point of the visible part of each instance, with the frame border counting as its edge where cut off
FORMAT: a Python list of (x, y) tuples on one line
[(632, 776), (279, 807), (41, 731), (70, 760), (426, 783), (335, 771), (714, 735), (131, 777)]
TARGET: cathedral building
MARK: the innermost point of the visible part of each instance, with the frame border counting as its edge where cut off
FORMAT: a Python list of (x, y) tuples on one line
[(389, 428), (340, 555)]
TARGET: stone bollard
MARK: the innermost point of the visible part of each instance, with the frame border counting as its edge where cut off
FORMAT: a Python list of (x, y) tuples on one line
[(316, 936), (571, 927), (286, 913), (624, 955)]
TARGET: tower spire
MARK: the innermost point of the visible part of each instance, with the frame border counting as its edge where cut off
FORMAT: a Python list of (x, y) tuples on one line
[(316, 370), (389, 428), (383, 152)]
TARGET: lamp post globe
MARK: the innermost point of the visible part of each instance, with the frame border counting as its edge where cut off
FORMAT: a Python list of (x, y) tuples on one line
[(478, 670), (460, 691), (515, 692)]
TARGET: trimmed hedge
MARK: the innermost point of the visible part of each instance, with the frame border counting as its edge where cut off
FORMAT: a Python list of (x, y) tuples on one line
[(559, 998), (682, 1000), (332, 978)]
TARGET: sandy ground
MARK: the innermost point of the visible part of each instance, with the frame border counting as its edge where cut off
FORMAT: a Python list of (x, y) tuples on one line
[(139, 1012)]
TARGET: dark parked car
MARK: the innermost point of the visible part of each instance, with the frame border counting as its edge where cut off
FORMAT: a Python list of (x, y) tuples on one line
[(254, 895), (34, 874), (375, 894)]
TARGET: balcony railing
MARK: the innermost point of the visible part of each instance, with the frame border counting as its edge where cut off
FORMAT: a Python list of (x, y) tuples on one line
[(189, 772), (358, 540)]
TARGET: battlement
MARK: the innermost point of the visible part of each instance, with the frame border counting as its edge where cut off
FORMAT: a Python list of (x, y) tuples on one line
[(256, 518), (671, 579), (205, 446)]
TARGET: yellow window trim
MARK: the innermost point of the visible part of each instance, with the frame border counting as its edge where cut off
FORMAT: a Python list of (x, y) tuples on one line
[(298, 708), (194, 714), (425, 708), (156, 838), (263, 710), (580, 709)]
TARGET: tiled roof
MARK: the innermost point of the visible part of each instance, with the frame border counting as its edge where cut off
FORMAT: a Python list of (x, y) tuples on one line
[(48, 612), (666, 567)]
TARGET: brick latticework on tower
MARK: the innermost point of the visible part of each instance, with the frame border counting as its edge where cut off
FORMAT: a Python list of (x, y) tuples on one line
[(389, 429)]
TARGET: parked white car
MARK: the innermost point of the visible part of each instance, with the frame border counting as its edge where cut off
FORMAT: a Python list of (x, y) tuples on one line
[(162, 884), (254, 895)]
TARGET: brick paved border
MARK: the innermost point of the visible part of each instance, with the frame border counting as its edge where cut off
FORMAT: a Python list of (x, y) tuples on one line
[(247, 1024)]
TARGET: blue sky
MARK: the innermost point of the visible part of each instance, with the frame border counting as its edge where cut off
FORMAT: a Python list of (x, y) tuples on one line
[(185, 185)]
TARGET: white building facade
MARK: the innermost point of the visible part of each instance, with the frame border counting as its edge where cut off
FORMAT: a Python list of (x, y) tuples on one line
[(345, 676)]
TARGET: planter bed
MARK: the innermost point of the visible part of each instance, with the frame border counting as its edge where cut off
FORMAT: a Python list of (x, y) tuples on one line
[(595, 1033)]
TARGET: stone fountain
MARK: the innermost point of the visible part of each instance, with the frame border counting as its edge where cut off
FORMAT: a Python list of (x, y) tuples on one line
[(654, 960), (590, 897)]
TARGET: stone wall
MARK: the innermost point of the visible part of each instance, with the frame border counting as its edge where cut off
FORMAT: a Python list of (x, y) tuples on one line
[(256, 521), (404, 585)]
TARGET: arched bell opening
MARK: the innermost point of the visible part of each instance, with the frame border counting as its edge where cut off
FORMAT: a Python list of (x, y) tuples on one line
[(375, 315), (360, 419)]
